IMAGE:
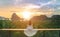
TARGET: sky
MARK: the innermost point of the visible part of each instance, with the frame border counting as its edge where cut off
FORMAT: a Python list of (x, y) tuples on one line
[(7, 7)]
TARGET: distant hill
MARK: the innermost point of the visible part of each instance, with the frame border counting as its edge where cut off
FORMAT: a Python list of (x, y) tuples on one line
[(3, 18), (57, 17), (41, 17), (15, 17)]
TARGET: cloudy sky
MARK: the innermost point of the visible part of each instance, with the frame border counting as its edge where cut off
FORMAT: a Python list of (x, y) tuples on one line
[(8, 6)]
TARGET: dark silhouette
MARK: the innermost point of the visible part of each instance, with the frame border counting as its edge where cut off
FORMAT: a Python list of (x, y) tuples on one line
[(15, 17), (41, 17), (30, 22)]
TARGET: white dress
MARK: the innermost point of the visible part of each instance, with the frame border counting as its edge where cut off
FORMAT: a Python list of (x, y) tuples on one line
[(30, 31)]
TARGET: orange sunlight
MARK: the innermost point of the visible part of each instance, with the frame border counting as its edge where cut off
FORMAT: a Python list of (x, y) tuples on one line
[(26, 15)]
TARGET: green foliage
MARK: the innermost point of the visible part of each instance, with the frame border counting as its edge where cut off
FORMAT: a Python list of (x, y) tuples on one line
[(5, 24), (48, 23)]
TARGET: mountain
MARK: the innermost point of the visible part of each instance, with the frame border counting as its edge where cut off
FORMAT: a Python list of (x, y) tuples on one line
[(41, 17), (56, 17), (15, 17), (3, 18)]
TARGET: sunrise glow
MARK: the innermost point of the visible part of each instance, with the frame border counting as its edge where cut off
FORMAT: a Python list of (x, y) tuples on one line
[(27, 15)]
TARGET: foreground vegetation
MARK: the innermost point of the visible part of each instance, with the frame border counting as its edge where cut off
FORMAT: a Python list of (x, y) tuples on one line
[(45, 23)]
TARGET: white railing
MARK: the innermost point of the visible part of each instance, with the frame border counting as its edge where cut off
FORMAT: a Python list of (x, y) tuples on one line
[(25, 29)]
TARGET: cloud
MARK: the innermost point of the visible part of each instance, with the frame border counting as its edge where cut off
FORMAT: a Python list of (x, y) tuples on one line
[(17, 1), (30, 6), (58, 8), (44, 4)]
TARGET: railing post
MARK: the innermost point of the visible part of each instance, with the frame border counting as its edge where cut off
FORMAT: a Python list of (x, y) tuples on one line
[(43, 33)]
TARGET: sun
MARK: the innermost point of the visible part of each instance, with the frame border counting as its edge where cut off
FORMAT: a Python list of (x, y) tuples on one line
[(26, 15)]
